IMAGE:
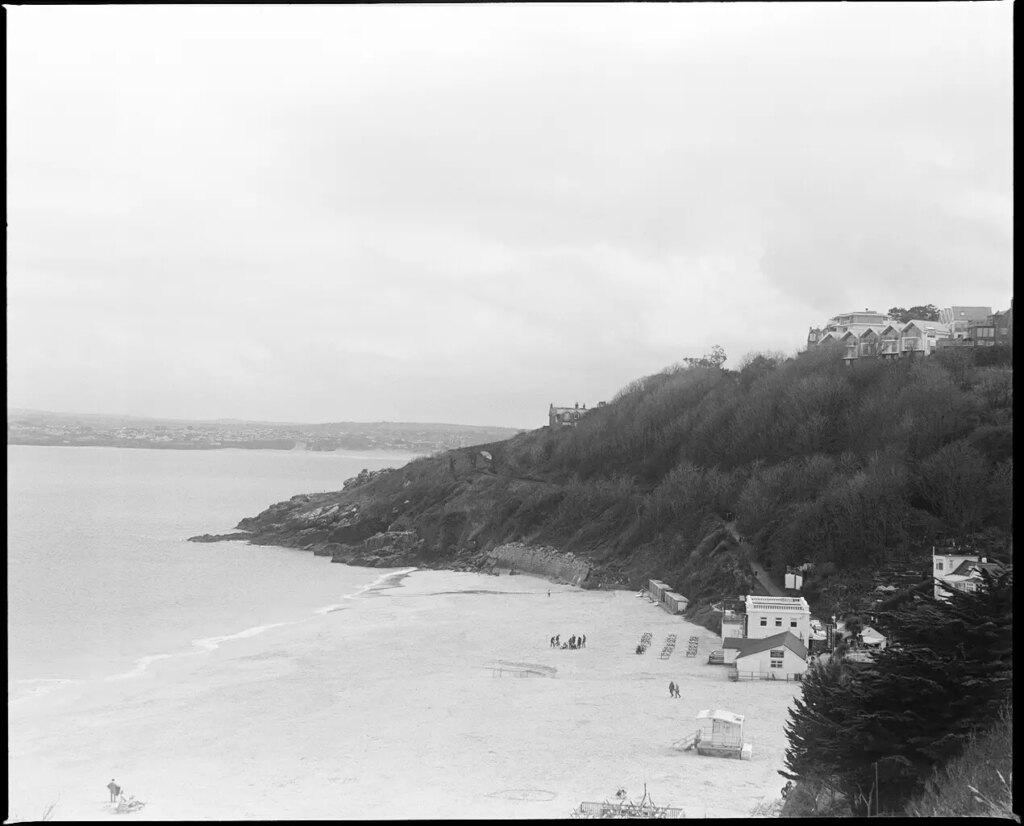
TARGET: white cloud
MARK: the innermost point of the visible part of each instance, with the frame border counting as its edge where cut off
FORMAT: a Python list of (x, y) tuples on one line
[(464, 213)]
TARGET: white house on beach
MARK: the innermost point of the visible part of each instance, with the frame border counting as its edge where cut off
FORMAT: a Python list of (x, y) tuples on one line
[(782, 656)]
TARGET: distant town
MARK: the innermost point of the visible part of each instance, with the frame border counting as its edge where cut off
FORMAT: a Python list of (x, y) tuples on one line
[(36, 427)]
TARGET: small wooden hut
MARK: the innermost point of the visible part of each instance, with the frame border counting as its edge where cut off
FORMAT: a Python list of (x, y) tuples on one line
[(720, 735)]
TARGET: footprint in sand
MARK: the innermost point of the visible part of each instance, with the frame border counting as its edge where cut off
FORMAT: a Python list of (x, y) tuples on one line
[(524, 794)]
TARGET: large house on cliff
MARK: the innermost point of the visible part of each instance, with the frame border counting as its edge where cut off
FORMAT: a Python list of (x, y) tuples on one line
[(567, 416), (871, 334), (960, 571)]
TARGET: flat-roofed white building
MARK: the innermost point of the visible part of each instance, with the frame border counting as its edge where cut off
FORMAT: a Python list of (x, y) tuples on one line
[(768, 616)]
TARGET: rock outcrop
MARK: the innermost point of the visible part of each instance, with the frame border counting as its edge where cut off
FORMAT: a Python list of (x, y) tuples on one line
[(541, 560), (379, 550), (221, 537)]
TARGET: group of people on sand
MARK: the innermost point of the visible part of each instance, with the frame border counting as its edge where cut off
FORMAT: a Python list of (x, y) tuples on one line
[(673, 690), (573, 643)]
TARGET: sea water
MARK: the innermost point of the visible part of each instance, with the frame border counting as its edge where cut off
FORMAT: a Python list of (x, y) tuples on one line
[(100, 579)]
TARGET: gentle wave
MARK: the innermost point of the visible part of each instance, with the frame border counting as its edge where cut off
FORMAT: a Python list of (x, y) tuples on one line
[(384, 581), (213, 643), (207, 644), (45, 686)]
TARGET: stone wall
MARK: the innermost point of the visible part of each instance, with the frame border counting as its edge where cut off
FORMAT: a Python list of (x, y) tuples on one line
[(542, 561)]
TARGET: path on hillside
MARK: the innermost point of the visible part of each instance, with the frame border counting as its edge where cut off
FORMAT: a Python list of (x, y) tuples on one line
[(760, 573)]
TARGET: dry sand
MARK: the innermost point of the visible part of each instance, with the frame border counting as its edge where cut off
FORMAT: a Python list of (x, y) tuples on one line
[(388, 708)]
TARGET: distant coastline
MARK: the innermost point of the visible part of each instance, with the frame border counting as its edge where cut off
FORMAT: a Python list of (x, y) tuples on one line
[(43, 428)]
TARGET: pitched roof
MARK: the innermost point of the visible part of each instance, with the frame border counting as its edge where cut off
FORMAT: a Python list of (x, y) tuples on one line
[(720, 714), (964, 568), (748, 646), (870, 635), (922, 324)]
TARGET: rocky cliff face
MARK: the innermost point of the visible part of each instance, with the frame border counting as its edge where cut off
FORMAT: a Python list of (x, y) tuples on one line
[(450, 511), (542, 561)]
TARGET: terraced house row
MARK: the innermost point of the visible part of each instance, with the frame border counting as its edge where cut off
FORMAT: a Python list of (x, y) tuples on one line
[(870, 334)]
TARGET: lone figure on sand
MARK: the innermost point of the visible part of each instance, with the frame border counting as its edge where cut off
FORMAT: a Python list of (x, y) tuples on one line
[(671, 689), (115, 790)]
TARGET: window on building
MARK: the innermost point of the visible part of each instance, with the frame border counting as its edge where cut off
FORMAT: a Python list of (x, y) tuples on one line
[(792, 623), (776, 663), (778, 622), (938, 566), (764, 622), (777, 653)]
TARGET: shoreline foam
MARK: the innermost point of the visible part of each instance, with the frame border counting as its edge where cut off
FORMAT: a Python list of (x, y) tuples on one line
[(202, 645)]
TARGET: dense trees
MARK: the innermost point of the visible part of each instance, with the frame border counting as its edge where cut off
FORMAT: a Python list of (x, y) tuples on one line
[(820, 461), (914, 707), (925, 312)]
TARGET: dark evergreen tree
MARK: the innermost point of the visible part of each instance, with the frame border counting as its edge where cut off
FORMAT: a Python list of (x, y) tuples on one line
[(914, 707)]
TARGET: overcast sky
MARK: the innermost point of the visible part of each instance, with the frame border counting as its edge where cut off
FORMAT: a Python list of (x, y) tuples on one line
[(462, 214)]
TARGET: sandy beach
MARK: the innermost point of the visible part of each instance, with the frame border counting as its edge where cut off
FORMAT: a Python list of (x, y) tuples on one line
[(390, 707)]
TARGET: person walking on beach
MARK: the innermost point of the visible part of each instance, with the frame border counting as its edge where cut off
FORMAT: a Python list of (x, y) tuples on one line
[(115, 790), (584, 644), (677, 690), (558, 640), (671, 689)]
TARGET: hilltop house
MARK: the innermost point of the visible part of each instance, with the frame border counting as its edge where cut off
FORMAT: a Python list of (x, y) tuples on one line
[(568, 416), (960, 571), (959, 319), (855, 323), (1003, 322), (872, 334)]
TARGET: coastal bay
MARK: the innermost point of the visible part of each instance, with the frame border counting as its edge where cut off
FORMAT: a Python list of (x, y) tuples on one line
[(389, 707)]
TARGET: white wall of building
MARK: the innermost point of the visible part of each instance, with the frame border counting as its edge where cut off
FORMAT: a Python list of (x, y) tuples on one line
[(784, 667), (768, 622), (944, 564), (732, 627)]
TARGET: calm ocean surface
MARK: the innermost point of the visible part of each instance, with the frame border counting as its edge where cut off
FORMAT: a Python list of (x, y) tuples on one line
[(100, 577)]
